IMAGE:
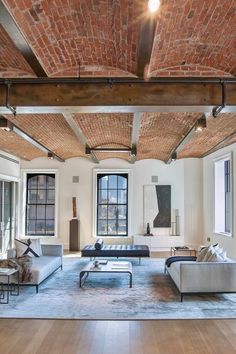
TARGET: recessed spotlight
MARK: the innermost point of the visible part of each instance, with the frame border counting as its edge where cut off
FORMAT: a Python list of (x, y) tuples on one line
[(153, 5), (200, 124)]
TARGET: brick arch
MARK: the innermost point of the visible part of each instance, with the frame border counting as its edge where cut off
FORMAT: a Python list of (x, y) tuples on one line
[(64, 33), (195, 33), (92, 71), (189, 70), (13, 72)]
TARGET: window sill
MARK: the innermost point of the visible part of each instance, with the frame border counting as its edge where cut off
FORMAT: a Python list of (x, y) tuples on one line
[(112, 237), (223, 234)]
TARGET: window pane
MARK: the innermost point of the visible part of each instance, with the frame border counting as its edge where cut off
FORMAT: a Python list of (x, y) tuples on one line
[(41, 212), (50, 227), (112, 227), (112, 212), (112, 197), (102, 212), (32, 182), (50, 212), (122, 227), (32, 196), (31, 226), (41, 196), (42, 181), (51, 182), (102, 197), (102, 227), (51, 196), (40, 227), (122, 196), (103, 182), (112, 182), (122, 182), (122, 211), (31, 212)]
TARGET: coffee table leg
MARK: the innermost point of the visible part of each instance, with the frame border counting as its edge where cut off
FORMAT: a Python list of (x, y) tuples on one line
[(81, 277), (130, 280)]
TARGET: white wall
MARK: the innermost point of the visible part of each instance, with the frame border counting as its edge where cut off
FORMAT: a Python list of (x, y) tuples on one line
[(193, 202), (175, 174), (228, 243), (9, 169)]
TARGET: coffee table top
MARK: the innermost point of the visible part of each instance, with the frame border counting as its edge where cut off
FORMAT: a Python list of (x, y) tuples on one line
[(110, 267), (8, 271)]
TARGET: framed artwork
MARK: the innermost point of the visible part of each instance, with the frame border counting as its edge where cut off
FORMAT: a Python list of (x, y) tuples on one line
[(157, 205)]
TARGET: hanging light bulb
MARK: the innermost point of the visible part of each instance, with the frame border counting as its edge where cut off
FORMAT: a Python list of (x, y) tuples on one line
[(153, 5)]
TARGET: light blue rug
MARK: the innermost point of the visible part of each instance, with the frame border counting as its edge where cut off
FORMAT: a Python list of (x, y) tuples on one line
[(153, 296)]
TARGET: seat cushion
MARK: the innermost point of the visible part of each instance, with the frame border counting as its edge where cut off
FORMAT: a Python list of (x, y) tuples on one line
[(43, 266), (116, 251)]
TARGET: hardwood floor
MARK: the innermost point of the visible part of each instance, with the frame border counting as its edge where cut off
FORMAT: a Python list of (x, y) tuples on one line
[(112, 337)]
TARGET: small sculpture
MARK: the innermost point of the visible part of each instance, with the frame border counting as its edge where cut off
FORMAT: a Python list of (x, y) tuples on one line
[(148, 233)]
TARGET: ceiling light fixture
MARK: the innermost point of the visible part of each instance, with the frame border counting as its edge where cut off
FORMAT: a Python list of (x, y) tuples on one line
[(200, 124), (50, 156), (174, 156), (153, 5)]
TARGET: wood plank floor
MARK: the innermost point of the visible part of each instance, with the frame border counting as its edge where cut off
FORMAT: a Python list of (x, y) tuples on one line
[(26, 336)]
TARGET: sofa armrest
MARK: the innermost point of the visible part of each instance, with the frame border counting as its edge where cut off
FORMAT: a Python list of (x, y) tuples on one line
[(11, 253), (52, 250), (208, 277)]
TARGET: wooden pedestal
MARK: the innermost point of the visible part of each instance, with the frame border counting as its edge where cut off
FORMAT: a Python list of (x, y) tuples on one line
[(74, 235)]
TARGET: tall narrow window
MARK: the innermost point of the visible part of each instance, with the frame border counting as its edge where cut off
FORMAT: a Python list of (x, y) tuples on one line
[(40, 205), (8, 203), (223, 196), (112, 205)]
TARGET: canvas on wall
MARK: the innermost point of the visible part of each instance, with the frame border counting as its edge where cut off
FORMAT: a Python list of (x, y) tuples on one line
[(157, 205)]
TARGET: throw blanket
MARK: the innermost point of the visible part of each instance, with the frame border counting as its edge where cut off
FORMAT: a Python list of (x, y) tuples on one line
[(23, 264), (173, 259)]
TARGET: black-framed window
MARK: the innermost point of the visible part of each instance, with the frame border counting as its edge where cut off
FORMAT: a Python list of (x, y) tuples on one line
[(40, 204), (112, 204)]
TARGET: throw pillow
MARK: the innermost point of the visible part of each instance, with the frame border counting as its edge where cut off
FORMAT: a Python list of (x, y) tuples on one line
[(202, 254), (215, 257), (209, 253), (33, 249), (99, 244)]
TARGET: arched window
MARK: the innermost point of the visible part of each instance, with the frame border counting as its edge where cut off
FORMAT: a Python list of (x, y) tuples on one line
[(112, 205), (40, 205)]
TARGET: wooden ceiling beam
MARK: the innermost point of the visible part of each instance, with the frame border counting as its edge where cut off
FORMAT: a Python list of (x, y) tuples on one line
[(19, 41), (117, 95)]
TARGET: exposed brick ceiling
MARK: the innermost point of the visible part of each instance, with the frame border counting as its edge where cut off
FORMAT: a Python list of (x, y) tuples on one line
[(192, 38)]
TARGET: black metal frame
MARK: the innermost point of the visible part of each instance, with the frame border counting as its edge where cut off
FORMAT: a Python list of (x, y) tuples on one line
[(99, 176), (37, 285), (85, 274), (9, 288), (30, 175)]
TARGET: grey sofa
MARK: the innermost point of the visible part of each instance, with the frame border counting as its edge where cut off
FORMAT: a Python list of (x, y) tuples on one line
[(44, 266), (203, 277)]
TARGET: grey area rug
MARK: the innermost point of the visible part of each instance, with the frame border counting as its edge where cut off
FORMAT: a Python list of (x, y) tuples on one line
[(153, 296)]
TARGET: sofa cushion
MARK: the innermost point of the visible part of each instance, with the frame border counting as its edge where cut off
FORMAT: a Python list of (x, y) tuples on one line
[(43, 266)]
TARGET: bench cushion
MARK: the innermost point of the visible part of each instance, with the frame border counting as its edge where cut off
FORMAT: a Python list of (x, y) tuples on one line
[(116, 251)]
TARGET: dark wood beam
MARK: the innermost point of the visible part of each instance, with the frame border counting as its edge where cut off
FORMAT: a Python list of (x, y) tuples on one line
[(116, 95), (146, 39), (226, 141), (19, 41)]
